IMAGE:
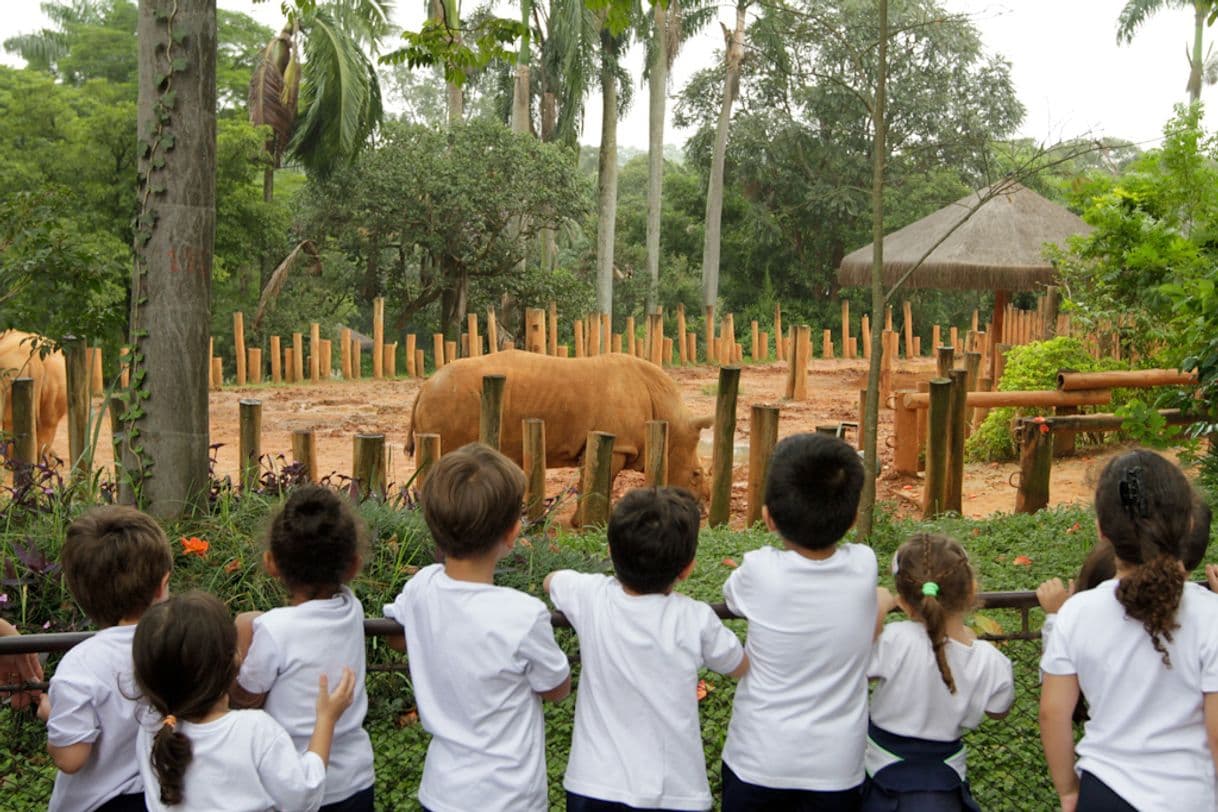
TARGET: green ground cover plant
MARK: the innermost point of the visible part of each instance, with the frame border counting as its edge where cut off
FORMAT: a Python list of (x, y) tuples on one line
[(221, 552)]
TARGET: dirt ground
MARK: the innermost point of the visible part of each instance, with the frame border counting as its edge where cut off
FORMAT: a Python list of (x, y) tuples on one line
[(338, 410)]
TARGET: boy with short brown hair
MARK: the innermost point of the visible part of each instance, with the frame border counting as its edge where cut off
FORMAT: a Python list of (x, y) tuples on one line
[(116, 561)]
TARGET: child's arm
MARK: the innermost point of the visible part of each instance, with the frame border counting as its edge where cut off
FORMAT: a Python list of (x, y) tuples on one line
[(1058, 696), (1211, 721), (76, 720), (69, 758), (330, 706), (1052, 594), (884, 603), (742, 669), (238, 696), (558, 693), (18, 668)]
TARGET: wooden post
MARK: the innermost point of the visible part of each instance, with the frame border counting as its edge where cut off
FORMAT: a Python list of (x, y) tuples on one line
[(420, 363), (934, 495), (755, 334), (533, 436), (616, 344), (297, 358), (865, 335), (711, 355), (945, 359), (579, 338), (724, 445), (955, 449), (778, 348), (492, 333), (426, 452), (936, 336), (764, 338), (304, 452), (344, 351), (847, 351), (535, 330), (1035, 465), (888, 318), (802, 354), (378, 336), (412, 367), (464, 350), (888, 342), (124, 367), (954, 339), (972, 370), (763, 435), (905, 437), (357, 363), (239, 346), (594, 335), (450, 352), (289, 368), (1053, 303), (276, 361), (76, 366), (389, 361), (249, 444), (563, 351), (217, 373), (606, 331), (437, 344), (596, 478), (99, 381), (907, 311), (490, 418), (655, 454), (827, 342), (657, 339), (253, 364), (314, 352), (917, 346), (25, 429), (475, 340), (923, 388), (552, 334), (691, 350), (630, 336), (368, 465), (682, 344), (668, 352)]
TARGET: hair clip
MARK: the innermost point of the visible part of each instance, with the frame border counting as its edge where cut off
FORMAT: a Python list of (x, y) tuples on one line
[(1133, 496), (170, 722), (896, 567), (930, 589)]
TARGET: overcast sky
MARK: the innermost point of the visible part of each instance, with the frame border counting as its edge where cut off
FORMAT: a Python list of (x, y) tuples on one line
[(1069, 72)]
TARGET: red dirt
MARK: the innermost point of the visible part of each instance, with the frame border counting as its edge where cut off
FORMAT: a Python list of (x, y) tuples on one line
[(338, 410)]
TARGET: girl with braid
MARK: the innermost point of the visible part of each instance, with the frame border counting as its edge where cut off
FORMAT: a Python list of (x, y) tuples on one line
[(1144, 650), (194, 753), (934, 680)]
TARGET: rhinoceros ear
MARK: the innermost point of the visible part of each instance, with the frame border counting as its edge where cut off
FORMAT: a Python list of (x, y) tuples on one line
[(700, 423)]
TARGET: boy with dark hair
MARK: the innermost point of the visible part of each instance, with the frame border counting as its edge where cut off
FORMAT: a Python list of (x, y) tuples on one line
[(116, 561), (637, 741), (799, 721), (482, 657)]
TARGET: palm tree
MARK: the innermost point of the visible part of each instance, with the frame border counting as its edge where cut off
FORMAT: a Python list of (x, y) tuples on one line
[(1200, 64), (321, 110), (614, 98)]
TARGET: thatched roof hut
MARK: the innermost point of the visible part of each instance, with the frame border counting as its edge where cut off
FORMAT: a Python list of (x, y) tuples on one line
[(999, 248)]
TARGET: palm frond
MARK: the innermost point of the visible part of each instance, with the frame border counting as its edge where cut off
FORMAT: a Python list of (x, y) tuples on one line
[(1136, 12), (274, 85), (279, 278)]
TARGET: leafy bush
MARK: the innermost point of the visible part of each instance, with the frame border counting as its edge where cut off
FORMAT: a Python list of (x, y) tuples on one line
[(1029, 367)]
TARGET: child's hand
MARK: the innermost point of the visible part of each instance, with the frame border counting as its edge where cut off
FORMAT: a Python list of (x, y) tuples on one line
[(44, 708), (885, 601), (331, 704), (1211, 576), (1053, 593)]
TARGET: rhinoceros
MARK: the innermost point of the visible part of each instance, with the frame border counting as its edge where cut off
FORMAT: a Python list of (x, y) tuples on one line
[(20, 358), (614, 393)]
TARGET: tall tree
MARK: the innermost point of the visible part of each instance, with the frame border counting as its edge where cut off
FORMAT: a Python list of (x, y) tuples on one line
[(1200, 64), (321, 109), (165, 453), (612, 90)]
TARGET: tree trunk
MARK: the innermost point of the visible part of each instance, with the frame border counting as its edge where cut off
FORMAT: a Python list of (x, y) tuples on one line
[(657, 86), (714, 190), (871, 413), (606, 181), (1197, 60), (448, 13), (175, 236)]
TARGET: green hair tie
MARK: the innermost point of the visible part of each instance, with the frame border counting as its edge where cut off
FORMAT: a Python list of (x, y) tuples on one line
[(930, 588)]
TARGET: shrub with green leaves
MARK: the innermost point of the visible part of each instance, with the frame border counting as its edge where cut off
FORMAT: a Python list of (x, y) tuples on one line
[(1029, 367)]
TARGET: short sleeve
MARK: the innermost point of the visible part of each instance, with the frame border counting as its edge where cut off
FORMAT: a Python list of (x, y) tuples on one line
[(545, 664), (721, 649), (262, 663), (292, 780), (564, 593), (736, 590), (1057, 660), (1209, 648), (1002, 695), (879, 666), (398, 609), (73, 717)]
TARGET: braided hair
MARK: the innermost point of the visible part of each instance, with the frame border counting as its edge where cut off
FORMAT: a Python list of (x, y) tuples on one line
[(934, 578)]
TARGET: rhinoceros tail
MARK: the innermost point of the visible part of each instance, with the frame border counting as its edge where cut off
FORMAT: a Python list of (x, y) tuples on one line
[(410, 426)]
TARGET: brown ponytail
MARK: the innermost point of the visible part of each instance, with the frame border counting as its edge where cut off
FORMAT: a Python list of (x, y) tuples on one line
[(1143, 505), (185, 660), (935, 580)]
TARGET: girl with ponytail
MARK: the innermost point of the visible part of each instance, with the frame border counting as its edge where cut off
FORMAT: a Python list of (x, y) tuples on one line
[(934, 681), (196, 754), (1144, 650)]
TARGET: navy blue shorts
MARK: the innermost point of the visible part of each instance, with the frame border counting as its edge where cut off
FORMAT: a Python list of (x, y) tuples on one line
[(741, 796), (582, 803), (359, 802), (1096, 796), (133, 802)]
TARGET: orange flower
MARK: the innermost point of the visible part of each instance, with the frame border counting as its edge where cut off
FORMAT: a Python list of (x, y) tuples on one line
[(730, 562), (232, 566), (1022, 561), (194, 546), (704, 688)]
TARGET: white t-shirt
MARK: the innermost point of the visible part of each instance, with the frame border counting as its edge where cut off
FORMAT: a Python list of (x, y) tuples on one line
[(89, 703), (910, 698), (479, 654), (292, 646), (637, 738), (800, 714), (1146, 735), (242, 762)]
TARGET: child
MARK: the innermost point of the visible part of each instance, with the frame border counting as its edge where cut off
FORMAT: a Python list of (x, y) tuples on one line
[(637, 740), (201, 756), (799, 722), (1144, 650), (934, 681), (314, 546), (116, 561), (481, 656)]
